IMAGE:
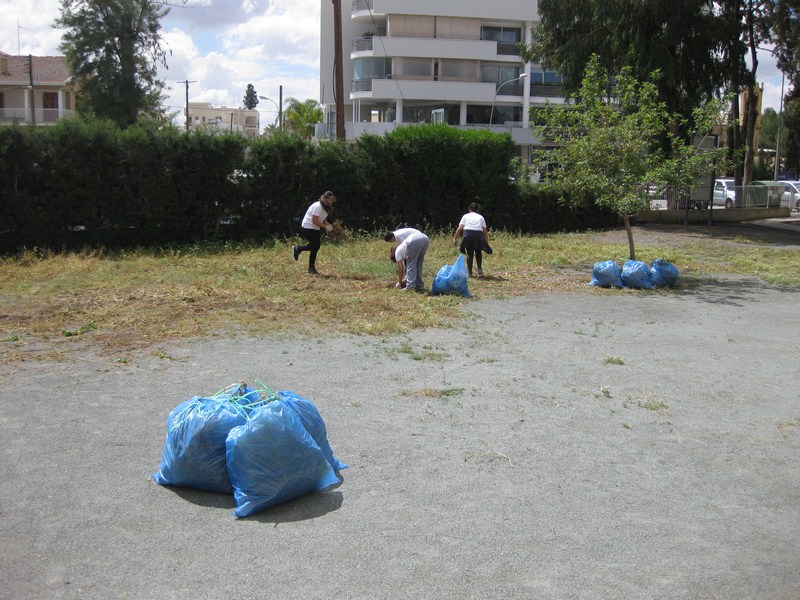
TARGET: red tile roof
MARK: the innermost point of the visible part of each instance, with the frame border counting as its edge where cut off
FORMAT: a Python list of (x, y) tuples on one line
[(47, 70)]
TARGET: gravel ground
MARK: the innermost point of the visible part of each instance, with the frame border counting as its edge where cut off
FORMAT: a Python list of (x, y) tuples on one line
[(610, 444)]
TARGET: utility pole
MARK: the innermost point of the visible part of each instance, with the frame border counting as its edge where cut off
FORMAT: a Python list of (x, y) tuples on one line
[(33, 95), (338, 83), (280, 108), (187, 82)]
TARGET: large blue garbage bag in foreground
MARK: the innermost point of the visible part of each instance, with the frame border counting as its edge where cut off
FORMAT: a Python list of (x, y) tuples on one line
[(663, 273), (313, 423), (636, 274), (194, 450), (273, 458), (606, 274), (452, 279)]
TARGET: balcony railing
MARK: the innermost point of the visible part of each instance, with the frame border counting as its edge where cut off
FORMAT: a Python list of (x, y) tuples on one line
[(547, 91), (361, 44), (507, 48), (41, 115), (509, 89)]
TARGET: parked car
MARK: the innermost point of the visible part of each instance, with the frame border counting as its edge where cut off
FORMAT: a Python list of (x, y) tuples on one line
[(791, 194), (724, 193)]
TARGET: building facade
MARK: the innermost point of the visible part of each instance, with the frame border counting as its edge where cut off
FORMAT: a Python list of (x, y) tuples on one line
[(35, 89), (203, 115), (417, 61)]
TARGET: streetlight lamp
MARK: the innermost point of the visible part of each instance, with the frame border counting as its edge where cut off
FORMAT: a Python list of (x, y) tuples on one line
[(280, 112), (499, 87)]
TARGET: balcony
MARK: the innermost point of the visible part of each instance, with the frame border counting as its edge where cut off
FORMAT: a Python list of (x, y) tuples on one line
[(42, 116), (540, 90)]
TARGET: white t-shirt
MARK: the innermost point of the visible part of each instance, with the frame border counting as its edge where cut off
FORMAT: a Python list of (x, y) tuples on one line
[(401, 234), (401, 252), (473, 222), (314, 209)]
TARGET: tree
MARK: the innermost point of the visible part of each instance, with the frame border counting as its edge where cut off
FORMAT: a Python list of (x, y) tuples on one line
[(250, 100), (679, 38), (610, 148), (300, 117), (113, 48)]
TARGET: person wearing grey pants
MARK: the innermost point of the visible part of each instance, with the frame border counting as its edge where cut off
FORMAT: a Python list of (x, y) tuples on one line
[(409, 256)]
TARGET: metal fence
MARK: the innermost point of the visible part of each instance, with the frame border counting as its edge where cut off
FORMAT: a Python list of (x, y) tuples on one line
[(755, 195)]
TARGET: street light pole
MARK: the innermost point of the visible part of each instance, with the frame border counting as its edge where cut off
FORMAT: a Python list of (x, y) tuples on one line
[(278, 108), (499, 87), (778, 137)]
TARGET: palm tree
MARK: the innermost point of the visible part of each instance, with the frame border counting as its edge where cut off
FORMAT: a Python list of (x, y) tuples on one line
[(300, 117)]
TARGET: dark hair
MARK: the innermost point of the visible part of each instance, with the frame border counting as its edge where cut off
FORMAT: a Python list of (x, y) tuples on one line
[(389, 236), (475, 207), (327, 194), (391, 254)]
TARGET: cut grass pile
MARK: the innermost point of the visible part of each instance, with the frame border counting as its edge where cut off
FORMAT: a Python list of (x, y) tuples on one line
[(141, 298)]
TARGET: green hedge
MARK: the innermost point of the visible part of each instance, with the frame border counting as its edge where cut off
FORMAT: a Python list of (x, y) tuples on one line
[(87, 183)]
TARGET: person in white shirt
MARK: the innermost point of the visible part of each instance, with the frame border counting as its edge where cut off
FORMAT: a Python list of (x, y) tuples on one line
[(398, 236), (474, 237), (314, 221), (410, 256)]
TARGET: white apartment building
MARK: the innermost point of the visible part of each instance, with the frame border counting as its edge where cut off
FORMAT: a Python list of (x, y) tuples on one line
[(203, 115), (418, 61)]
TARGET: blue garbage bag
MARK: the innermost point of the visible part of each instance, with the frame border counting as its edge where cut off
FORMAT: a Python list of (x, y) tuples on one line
[(313, 423), (663, 273), (194, 450), (636, 274), (452, 279), (606, 274), (272, 459)]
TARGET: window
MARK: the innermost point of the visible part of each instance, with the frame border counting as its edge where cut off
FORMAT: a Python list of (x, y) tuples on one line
[(462, 70), (370, 68), (411, 26), (415, 68), (461, 28), (498, 73), (505, 35)]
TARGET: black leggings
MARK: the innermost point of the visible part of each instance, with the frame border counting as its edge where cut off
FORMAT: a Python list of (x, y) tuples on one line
[(314, 236), (472, 242)]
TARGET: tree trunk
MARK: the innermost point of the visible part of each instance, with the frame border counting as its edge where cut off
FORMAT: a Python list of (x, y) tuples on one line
[(631, 251)]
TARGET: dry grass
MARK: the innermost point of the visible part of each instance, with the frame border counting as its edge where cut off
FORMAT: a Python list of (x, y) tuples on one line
[(143, 298)]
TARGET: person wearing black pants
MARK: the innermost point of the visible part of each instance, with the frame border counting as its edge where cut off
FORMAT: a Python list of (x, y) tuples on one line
[(474, 237), (314, 221)]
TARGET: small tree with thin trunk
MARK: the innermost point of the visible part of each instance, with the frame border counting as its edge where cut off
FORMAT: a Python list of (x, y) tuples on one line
[(606, 144)]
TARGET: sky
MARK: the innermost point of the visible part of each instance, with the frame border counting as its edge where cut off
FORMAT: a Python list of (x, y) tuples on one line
[(220, 46)]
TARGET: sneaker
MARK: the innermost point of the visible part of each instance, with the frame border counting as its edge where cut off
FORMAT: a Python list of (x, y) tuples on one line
[(313, 271), (295, 252), (480, 272)]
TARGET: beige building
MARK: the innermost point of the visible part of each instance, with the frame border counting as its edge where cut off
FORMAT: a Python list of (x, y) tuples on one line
[(35, 89), (223, 118), (416, 61)]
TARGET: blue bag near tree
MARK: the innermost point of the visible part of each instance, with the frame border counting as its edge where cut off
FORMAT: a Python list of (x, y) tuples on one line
[(663, 273), (606, 274), (194, 450), (273, 458), (452, 279), (636, 274)]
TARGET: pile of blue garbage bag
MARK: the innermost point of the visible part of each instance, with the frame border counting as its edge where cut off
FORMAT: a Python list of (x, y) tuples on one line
[(264, 447), (452, 279), (635, 274)]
